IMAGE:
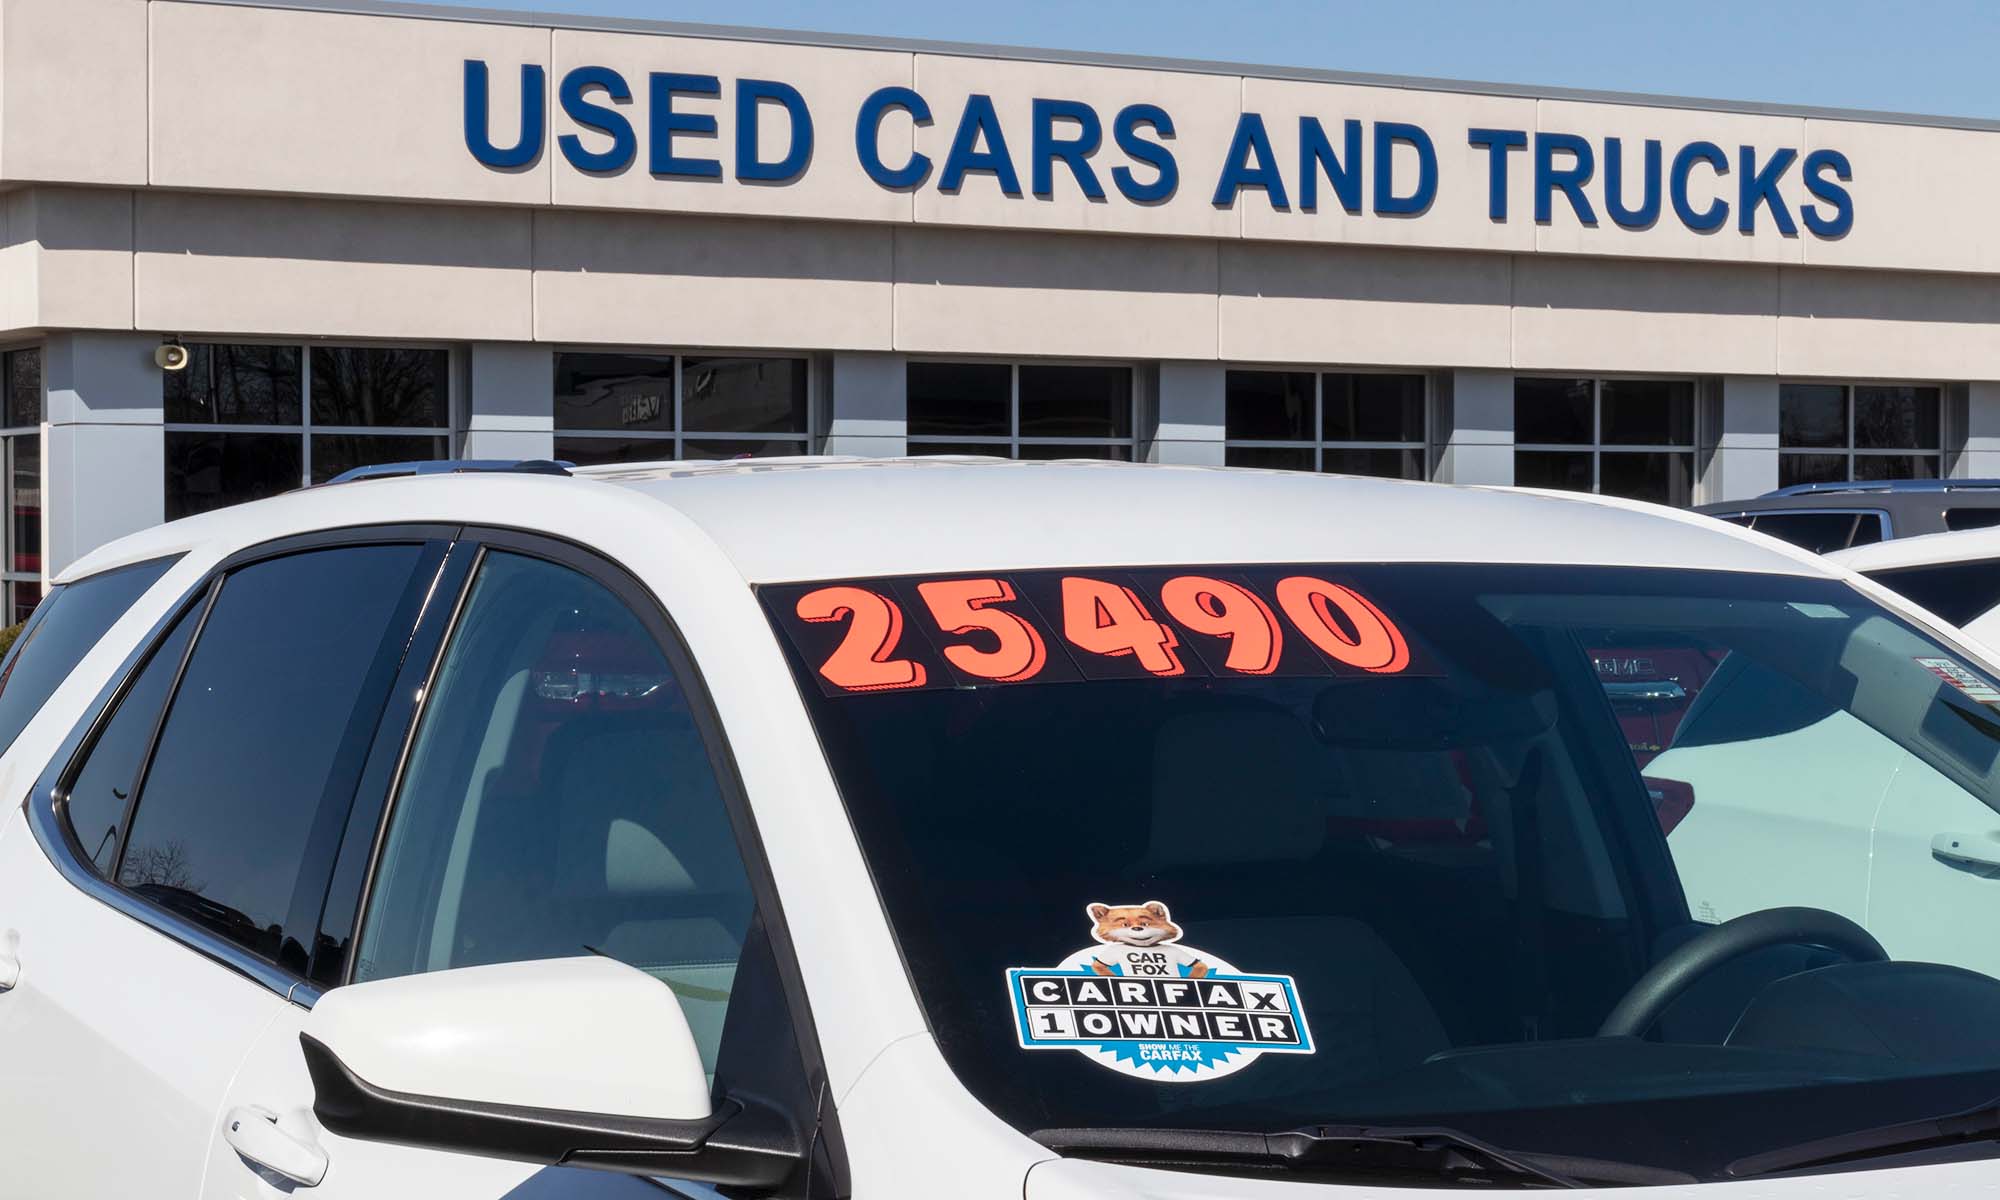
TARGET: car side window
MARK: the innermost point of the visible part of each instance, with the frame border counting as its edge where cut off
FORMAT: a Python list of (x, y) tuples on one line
[(1958, 592), (1982, 517), (1818, 532), (239, 808), (559, 800), (66, 624)]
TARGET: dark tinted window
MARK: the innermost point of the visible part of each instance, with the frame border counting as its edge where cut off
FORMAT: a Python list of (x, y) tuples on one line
[(240, 809), (96, 799), (24, 387), (1818, 532), (559, 797), (743, 395), (370, 385), (1269, 406), (1648, 412), (1552, 411), (1895, 418), (66, 626), (1972, 518), (1372, 408), (213, 470), (615, 391), (1059, 401), (1567, 470), (336, 453), (960, 399), (1958, 592), (1812, 414), (235, 385)]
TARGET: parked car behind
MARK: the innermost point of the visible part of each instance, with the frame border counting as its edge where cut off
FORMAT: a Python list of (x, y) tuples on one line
[(1823, 517), (841, 828)]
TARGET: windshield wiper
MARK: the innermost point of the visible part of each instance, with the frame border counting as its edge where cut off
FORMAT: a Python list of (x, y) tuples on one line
[(1981, 1124), (1426, 1151)]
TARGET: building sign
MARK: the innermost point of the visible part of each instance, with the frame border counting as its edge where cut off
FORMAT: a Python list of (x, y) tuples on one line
[(1129, 155)]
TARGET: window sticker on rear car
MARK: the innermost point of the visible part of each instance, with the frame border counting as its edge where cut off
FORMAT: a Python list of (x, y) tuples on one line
[(1964, 679), (1141, 1003)]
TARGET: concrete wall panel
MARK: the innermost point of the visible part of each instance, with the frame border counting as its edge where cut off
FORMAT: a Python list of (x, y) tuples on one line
[(1922, 197), (1363, 306), (1203, 108), (287, 101), (1578, 314), (832, 82), (332, 268), (84, 269), (1874, 324), (73, 91), (638, 279), (971, 292)]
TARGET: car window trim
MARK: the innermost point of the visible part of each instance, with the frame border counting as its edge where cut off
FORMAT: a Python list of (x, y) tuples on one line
[(651, 612), (51, 831)]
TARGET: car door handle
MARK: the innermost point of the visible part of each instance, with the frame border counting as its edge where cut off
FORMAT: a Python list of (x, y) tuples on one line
[(1978, 852), (254, 1134)]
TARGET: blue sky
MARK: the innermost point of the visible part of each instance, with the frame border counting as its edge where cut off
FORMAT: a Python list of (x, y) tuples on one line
[(1925, 56)]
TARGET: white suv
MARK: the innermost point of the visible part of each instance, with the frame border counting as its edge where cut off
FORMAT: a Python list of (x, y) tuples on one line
[(826, 828)]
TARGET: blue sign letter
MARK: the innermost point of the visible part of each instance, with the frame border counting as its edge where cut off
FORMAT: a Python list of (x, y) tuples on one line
[(750, 95), (1125, 131), (1716, 213), (661, 159), (1387, 134), (1569, 180), (965, 156), (1754, 187), (1497, 142), (533, 113), (868, 137), (1614, 185), (1817, 164), (1237, 173), (604, 120), (1074, 152), (1316, 154)]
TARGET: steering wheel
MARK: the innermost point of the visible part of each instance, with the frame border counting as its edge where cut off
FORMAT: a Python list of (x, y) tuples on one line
[(1660, 986)]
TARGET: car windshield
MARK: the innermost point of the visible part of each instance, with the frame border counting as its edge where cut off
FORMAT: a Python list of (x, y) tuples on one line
[(1257, 848)]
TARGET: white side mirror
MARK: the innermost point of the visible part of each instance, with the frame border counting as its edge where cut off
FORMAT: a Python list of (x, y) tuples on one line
[(580, 1061)]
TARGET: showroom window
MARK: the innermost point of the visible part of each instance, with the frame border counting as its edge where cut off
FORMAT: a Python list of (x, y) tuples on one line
[(1619, 437), (21, 462), (1834, 432), (248, 421), (1350, 422), (614, 407), (1023, 410)]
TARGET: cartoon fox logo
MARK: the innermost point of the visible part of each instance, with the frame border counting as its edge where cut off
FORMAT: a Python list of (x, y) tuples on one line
[(1140, 926)]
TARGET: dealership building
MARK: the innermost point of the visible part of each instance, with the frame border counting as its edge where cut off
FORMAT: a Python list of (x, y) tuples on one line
[(385, 232)]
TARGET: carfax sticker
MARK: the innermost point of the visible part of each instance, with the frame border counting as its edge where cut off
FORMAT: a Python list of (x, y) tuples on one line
[(1144, 1005), (1958, 676)]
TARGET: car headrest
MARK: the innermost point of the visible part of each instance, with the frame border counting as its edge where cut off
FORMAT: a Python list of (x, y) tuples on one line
[(629, 800), (1238, 786)]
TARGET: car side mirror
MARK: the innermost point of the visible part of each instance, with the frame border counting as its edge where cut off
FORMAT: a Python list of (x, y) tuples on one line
[(581, 1062)]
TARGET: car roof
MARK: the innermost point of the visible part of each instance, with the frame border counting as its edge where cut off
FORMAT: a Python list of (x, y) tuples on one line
[(1965, 545), (790, 519)]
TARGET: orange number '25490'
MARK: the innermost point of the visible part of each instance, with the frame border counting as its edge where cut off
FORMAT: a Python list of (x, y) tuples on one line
[(1377, 646), (961, 606), (1222, 609), (863, 662)]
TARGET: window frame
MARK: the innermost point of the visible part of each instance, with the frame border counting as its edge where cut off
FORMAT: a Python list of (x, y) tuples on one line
[(10, 438), (451, 432), (1009, 445), (45, 803), (1320, 443), (1848, 450), (1597, 447), (806, 441)]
